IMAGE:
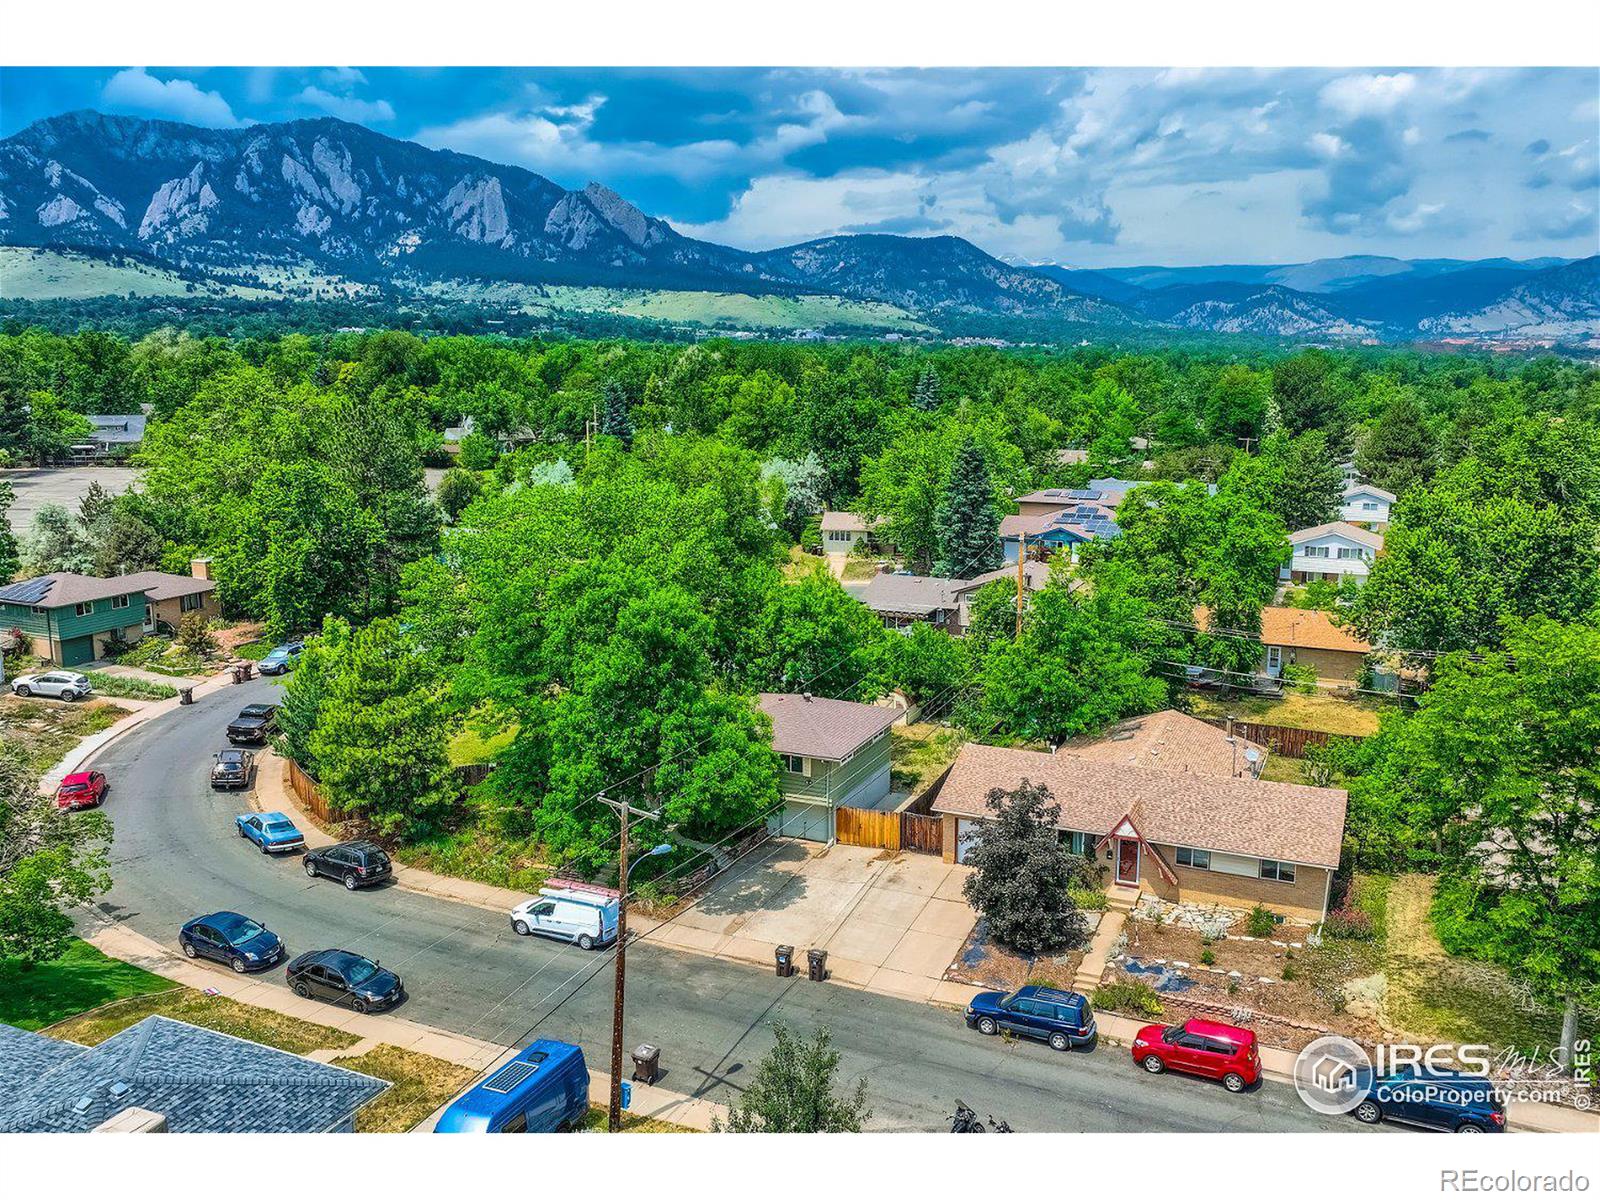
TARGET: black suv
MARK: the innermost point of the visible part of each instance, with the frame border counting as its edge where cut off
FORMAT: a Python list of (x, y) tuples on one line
[(355, 864), (232, 769), (254, 725)]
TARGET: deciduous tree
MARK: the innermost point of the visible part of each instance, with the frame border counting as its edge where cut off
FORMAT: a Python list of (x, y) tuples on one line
[(794, 1090), (1022, 875)]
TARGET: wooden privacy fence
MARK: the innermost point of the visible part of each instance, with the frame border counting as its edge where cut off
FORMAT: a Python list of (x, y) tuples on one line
[(888, 830), (309, 794), (1281, 739)]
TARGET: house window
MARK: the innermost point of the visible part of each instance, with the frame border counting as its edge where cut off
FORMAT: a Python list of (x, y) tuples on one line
[(1316, 552), (119, 602), (1369, 506), (38, 610), (84, 609), (1283, 872), (795, 764), (149, 614), (1200, 860), (1076, 843), (192, 602), (1348, 552)]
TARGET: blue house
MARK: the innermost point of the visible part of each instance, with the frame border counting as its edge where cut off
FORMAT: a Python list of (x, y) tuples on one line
[(172, 1076), (1057, 519)]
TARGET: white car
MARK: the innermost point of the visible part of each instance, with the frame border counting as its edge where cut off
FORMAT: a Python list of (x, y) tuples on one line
[(63, 685), (588, 918)]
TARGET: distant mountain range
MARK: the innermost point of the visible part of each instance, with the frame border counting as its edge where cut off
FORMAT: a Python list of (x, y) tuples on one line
[(300, 208)]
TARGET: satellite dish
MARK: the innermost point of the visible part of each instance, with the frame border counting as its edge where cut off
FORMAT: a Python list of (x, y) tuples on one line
[(1252, 755)]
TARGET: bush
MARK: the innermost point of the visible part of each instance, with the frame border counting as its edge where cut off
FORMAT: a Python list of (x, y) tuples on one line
[(478, 452), (1300, 678), (1262, 922), (194, 634), (1351, 924), (123, 687), (1129, 996), (1088, 899), (1289, 973), (1207, 959)]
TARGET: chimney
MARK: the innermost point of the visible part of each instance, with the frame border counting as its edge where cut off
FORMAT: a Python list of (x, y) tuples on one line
[(200, 568), (806, 696)]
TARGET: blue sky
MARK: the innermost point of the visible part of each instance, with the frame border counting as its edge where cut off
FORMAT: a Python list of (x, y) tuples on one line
[(1089, 167)]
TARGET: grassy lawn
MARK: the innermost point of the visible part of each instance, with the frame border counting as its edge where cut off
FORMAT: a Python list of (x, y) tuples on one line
[(470, 747), (128, 687), (212, 1012), (1281, 768), (1446, 999), (859, 570), (48, 729), (917, 753), (599, 1120), (79, 980), (254, 651), (1356, 717), (421, 1082)]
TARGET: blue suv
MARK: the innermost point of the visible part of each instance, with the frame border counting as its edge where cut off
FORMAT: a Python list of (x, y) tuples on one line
[(1448, 1100), (1064, 1019)]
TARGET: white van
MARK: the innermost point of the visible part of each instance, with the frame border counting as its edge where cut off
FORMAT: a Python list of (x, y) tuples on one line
[(587, 918)]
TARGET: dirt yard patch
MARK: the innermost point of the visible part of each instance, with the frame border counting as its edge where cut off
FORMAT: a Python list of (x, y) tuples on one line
[(421, 1083), (48, 729), (984, 963), (1357, 717)]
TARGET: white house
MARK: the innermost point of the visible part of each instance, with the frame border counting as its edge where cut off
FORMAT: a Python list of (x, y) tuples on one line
[(1365, 503), (841, 531), (1331, 552)]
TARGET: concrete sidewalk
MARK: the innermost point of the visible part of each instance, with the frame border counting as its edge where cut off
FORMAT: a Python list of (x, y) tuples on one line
[(120, 942)]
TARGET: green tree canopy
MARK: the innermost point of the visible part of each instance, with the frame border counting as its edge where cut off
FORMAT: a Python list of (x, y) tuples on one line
[(1022, 875)]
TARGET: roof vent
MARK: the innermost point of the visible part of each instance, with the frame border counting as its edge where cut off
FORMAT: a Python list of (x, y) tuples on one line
[(119, 1089), (83, 1105), (806, 696)]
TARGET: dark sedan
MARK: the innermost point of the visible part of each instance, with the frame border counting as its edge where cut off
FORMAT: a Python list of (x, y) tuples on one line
[(340, 977), (228, 937), (254, 725), (232, 769)]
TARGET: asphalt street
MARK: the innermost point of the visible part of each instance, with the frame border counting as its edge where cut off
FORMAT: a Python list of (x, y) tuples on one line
[(177, 855)]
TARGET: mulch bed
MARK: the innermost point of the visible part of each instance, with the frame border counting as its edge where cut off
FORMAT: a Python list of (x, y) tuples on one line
[(984, 963)]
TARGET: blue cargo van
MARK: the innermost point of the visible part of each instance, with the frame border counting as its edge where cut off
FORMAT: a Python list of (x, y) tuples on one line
[(545, 1088)]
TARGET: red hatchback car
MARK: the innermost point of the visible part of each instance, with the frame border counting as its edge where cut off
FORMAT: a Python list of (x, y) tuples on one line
[(84, 789), (1198, 1047)]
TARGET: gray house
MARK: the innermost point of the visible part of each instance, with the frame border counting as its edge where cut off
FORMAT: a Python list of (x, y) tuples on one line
[(163, 1075), (834, 752)]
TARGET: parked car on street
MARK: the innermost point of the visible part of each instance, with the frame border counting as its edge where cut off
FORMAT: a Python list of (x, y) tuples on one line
[(543, 1089), (254, 725), (587, 918), (281, 659), (354, 864), (1062, 1018), (1448, 1100), (341, 977), (63, 685), (232, 769), (272, 831), (227, 937), (81, 789), (1207, 1048)]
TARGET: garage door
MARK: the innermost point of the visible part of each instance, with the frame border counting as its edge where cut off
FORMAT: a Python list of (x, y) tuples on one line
[(77, 651), (808, 821), (966, 836)]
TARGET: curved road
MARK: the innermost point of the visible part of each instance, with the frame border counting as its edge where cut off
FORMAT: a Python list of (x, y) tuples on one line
[(176, 855)]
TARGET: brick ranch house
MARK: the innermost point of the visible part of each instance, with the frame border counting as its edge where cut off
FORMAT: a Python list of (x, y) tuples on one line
[(72, 618), (1170, 810)]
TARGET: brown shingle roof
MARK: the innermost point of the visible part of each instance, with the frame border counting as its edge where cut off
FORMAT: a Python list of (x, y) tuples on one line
[(1287, 821), (64, 587), (910, 595), (159, 585), (1168, 741), (847, 522), (817, 727), (1362, 537), (1303, 628)]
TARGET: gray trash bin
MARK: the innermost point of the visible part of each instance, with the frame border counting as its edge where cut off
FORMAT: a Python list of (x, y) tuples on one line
[(646, 1063), (817, 965), (186, 695)]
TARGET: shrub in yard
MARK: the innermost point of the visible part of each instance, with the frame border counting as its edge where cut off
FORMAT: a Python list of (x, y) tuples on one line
[(1207, 959), (1129, 996), (194, 634), (1300, 678), (1289, 973), (129, 688), (1262, 922), (1088, 899), (1349, 923)]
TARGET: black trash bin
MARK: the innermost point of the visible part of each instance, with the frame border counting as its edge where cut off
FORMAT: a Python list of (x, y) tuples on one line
[(186, 695), (785, 959), (817, 964), (646, 1063), (238, 674), (249, 672)]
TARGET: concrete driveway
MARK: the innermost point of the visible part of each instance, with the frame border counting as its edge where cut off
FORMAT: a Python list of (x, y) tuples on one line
[(890, 923)]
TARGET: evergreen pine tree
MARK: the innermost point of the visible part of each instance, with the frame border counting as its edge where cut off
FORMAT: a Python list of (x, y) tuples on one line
[(969, 529), (1399, 452), (926, 394), (615, 419)]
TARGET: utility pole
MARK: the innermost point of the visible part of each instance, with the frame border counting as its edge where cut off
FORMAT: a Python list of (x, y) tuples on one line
[(626, 814)]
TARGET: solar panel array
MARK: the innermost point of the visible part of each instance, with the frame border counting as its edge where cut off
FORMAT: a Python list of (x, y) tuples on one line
[(1092, 518), (509, 1076), (29, 591)]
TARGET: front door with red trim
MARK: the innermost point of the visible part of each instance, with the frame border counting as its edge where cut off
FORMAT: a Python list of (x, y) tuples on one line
[(1127, 860)]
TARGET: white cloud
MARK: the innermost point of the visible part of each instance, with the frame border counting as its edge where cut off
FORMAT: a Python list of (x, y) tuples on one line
[(179, 99), (346, 108), (1328, 145), (343, 77), (1367, 95)]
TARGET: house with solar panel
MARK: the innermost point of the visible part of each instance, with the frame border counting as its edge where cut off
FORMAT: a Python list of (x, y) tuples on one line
[(1060, 519), (74, 619)]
